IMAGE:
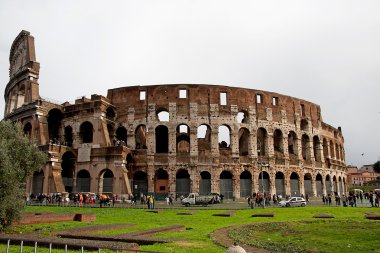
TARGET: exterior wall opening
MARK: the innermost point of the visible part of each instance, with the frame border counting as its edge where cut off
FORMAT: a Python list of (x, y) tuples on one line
[(38, 182), (183, 139), (307, 179), (86, 132), (121, 135), (294, 185), (54, 119), (106, 181), (226, 184), (140, 183), (68, 169), (319, 185), (280, 184), (161, 181), (83, 181), (244, 141), (245, 184), (183, 183), (205, 183), (68, 136), (140, 137), (264, 180), (162, 139)]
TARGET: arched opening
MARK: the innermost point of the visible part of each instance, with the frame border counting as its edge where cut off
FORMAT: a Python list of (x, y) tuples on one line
[(183, 139), (121, 135), (307, 179), (319, 184), (83, 181), (329, 189), (304, 125), (28, 130), (140, 137), (68, 136), (244, 141), (242, 117), (337, 151), (278, 143), (224, 138), (292, 143), (21, 96), (317, 149), (86, 132), (162, 139), (111, 132), (335, 186), (262, 141), (68, 170), (161, 181), (163, 115), (182, 183), (332, 153), (341, 188), (264, 182), (204, 137), (54, 119), (205, 183), (280, 184), (294, 184), (245, 184), (110, 114), (305, 147), (226, 184), (38, 182), (140, 183), (325, 149), (106, 181)]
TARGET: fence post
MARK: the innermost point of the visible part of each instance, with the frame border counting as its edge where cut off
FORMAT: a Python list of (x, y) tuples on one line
[(50, 247), (21, 244), (65, 248), (8, 243), (35, 247)]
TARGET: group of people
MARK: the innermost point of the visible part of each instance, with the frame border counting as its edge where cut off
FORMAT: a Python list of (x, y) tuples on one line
[(352, 199)]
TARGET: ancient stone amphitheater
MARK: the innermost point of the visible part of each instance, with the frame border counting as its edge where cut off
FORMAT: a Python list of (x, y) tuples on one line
[(175, 138)]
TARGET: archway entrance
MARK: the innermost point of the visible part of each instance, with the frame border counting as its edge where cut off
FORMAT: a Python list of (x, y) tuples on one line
[(245, 184), (161, 181), (106, 181), (319, 185), (205, 183), (182, 183), (280, 184), (226, 186), (83, 181), (38, 182), (307, 184), (140, 183), (294, 184)]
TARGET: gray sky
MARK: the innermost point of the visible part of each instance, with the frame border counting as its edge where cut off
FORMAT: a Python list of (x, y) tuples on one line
[(326, 52)]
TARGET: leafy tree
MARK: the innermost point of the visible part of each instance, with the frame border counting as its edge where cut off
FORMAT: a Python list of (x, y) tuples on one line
[(376, 166), (19, 159)]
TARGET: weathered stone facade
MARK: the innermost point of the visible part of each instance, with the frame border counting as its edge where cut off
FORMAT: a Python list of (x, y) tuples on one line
[(176, 138)]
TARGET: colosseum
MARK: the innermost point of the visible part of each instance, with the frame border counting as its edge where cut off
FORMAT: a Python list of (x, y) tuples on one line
[(174, 138)]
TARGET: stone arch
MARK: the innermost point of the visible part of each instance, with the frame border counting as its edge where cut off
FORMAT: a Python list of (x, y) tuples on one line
[(106, 181), (226, 184), (242, 117), (111, 131), (162, 115), (332, 153), (319, 184), (337, 151), (278, 143), (204, 137), (86, 131), (161, 181), (68, 170), (68, 136), (244, 141), (307, 182), (38, 182), (316, 149), (162, 139), (304, 125), (262, 142), (122, 135), (140, 137), (110, 114), (292, 144), (28, 131), (224, 136), (294, 184), (325, 149), (54, 119), (183, 138), (245, 184), (182, 182), (140, 182), (280, 184), (21, 95), (328, 185), (205, 183), (305, 143), (83, 181), (341, 186), (264, 182), (335, 185)]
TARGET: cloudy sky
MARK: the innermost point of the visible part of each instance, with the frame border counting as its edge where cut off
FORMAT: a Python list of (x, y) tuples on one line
[(326, 52)]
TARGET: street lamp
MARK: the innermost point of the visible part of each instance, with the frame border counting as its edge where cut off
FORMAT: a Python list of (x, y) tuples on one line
[(262, 164)]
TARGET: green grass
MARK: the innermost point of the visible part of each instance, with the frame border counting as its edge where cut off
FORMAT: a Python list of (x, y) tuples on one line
[(291, 230)]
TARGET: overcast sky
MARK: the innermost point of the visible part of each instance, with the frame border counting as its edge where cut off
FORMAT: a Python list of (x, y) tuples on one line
[(326, 52)]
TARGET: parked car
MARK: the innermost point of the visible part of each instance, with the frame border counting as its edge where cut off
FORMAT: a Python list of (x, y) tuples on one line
[(293, 201)]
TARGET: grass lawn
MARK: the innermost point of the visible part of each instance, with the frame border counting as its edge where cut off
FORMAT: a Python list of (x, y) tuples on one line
[(290, 230)]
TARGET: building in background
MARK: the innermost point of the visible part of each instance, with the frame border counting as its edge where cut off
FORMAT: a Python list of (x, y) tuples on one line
[(362, 176), (175, 139)]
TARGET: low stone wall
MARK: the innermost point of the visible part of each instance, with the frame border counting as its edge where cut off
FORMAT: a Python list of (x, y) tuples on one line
[(44, 217)]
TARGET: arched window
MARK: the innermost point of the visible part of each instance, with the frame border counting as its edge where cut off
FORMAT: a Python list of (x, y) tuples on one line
[(86, 132), (162, 139), (244, 141)]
